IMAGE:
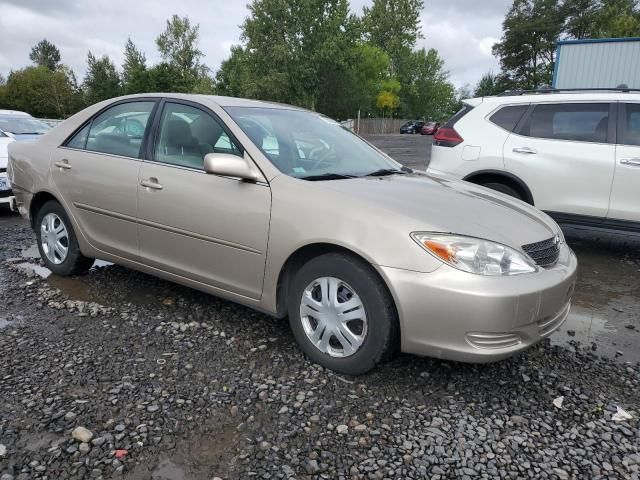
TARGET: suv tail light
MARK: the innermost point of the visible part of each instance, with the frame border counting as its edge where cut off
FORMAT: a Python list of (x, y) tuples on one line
[(447, 137)]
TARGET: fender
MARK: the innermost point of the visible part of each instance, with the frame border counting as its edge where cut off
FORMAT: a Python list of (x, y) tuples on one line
[(501, 173)]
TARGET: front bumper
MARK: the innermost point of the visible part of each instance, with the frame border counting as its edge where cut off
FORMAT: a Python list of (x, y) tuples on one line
[(456, 315), (5, 195)]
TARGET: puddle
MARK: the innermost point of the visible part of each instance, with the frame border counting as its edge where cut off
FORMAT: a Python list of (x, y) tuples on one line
[(168, 470)]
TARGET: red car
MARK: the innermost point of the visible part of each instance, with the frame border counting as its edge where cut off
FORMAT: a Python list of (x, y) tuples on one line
[(430, 128)]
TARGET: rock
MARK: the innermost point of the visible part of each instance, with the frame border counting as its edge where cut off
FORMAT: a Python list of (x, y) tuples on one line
[(234, 411), (84, 448), (264, 446), (82, 435), (3, 450), (342, 429), (312, 467), (153, 408)]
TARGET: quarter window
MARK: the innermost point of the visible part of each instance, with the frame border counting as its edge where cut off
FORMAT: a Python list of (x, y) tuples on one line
[(508, 117), (187, 134), (582, 122), (120, 129), (630, 131)]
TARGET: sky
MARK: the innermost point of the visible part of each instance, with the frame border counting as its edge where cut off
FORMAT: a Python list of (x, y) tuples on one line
[(463, 31)]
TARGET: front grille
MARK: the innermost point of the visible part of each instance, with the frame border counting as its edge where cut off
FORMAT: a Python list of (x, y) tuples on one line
[(544, 253)]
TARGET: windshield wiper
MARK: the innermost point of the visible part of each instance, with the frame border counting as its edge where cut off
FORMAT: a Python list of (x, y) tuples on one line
[(326, 176), (386, 171)]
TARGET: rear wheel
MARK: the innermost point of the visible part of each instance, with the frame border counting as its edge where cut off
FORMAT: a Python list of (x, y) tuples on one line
[(502, 188), (57, 242), (341, 314)]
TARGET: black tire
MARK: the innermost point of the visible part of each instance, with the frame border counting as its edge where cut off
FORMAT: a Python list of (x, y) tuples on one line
[(382, 320), (75, 263), (502, 188)]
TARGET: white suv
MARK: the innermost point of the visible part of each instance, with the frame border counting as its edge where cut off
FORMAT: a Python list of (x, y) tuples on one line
[(575, 155)]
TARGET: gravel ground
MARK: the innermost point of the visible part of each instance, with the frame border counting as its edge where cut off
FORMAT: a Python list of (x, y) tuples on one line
[(119, 374)]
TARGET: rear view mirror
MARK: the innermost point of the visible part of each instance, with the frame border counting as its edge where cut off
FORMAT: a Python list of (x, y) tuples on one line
[(230, 165)]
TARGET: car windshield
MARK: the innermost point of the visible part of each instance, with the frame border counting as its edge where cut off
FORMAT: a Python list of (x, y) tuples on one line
[(22, 125), (308, 145)]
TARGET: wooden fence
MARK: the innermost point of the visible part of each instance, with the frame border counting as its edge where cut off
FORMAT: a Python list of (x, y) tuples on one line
[(373, 126)]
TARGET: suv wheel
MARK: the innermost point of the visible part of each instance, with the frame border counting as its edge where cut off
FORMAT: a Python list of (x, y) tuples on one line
[(502, 188), (57, 242), (341, 314)]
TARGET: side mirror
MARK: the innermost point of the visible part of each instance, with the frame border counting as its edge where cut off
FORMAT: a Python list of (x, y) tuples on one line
[(230, 166)]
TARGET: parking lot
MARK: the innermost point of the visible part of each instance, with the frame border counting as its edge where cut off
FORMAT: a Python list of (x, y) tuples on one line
[(175, 384)]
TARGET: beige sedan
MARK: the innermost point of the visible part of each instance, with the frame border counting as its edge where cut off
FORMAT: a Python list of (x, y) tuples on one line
[(283, 210)]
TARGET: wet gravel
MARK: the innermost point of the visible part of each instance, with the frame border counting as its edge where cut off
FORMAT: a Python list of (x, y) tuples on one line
[(119, 374)]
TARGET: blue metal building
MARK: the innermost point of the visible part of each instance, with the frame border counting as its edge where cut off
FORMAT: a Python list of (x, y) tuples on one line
[(597, 63)]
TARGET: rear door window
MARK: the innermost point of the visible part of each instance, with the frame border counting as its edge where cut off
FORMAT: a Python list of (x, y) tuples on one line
[(120, 129), (630, 128), (509, 116), (581, 122)]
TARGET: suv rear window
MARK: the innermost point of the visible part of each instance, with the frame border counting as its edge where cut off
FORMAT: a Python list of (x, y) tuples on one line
[(508, 117), (582, 122), (458, 115)]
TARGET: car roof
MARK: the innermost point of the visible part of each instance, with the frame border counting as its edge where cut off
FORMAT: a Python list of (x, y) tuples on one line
[(15, 113), (222, 101), (555, 97)]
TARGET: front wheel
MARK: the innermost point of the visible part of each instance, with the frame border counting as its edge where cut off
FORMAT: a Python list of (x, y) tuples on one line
[(57, 242), (502, 188), (341, 314)]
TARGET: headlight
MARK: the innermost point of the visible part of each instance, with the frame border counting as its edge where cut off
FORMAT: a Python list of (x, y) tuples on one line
[(475, 255)]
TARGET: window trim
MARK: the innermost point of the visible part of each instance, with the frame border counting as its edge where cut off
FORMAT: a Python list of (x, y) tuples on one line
[(89, 122), (154, 136), (611, 125), (622, 123)]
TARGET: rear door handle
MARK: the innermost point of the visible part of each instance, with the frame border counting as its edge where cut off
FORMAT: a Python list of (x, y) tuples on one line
[(634, 162), (151, 183), (63, 164), (527, 150)]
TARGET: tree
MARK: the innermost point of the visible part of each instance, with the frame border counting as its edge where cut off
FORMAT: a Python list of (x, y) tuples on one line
[(101, 81), (45, 54), (426, 90), (616, 18), (178, 46), (135, 78), (527, 48), (293, 52), (235, 77), (580, 17), (394, 27), (43, 92), (388, 99)]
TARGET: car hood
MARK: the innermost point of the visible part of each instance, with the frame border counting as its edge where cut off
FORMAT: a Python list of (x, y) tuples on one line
[(423, 202), (29, 136)]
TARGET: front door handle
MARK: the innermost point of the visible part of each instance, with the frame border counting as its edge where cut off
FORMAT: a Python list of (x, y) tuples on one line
[(151, 183), (63, 164), (634, 162), (527, 150)]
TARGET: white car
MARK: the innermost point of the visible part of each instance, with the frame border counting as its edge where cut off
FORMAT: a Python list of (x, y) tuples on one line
[(15, 125), (573, 154), (5, 186)]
